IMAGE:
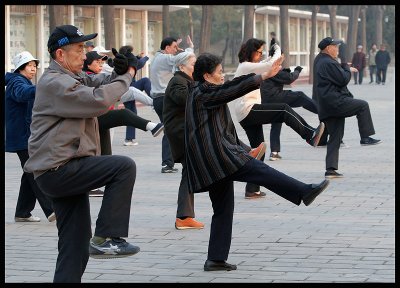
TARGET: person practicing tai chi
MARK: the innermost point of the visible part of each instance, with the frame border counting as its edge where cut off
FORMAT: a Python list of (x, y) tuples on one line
[(215, 156)]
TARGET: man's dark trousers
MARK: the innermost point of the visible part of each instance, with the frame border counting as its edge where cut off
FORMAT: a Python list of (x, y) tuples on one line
[(166, 155), (335, 127), (68, 187)]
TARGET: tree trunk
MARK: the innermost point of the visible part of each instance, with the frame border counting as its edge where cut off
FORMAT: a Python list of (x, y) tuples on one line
[(353, 27), (364, 28), (109, 26), (165, 21), (191, 28), (55, 16), (248, 30), (284, 27), (227, 40), (378, 24), (333, 22), (312, 44), (206, 22)]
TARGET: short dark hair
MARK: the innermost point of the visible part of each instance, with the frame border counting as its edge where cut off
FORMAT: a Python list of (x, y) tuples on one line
[(247, 49), (125, 49), (167, 42), (22, 67), (205, 63)]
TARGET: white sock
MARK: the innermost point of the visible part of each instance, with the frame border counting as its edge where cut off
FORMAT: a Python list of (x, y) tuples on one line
[(150, 126)]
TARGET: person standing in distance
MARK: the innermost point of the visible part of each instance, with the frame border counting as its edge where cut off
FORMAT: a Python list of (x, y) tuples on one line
[(64, 151), (382, 60), (336, 103), (161, 71)]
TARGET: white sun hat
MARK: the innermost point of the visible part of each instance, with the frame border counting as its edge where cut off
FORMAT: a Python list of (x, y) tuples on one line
[(23, 58), (101, 49)]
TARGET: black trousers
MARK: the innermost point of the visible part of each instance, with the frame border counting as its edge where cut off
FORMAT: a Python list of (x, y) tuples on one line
[(185, 198), (358, 75), (68, 187), (335, 128), (29, 192), (166, 155), (116, 118), (380, 75), (272, 113), (222, 200), (294, 99), (372, 71)]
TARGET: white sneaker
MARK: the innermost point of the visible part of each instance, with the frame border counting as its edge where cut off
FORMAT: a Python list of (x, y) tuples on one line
[(132, 142), (28, 219), (52, 217)]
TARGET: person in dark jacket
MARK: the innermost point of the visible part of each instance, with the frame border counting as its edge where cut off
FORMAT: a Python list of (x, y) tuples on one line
[(272, 92), (382, 60), (174, 128), (359, 62), (216, 157), (20, 95), (335, 103)]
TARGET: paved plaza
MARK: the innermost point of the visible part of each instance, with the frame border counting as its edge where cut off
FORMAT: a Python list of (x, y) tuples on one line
[(346, 235)]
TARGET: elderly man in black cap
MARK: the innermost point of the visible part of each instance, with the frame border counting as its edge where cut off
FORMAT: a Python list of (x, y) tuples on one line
[(64, 150), (335, 102), (89, 46)]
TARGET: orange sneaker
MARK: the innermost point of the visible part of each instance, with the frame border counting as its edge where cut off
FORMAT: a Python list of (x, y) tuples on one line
[(259, 151), (188, 223)]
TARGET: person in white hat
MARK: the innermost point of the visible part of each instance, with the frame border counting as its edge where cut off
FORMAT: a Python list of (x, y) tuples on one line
[(20, 94)]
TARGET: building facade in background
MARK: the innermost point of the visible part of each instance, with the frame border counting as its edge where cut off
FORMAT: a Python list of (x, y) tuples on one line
[(27, 28), (267, 20)]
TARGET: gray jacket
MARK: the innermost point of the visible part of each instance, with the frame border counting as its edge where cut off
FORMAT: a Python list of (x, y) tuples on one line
[(64, 116), (161, 71)]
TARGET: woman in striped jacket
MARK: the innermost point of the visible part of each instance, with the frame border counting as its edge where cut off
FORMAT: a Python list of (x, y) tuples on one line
[(216, 157)]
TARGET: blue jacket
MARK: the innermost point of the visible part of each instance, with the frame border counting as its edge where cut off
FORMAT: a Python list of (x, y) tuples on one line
[(20, 94)]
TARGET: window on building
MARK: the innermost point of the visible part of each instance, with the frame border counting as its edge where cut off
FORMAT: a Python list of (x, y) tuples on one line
[(303, 36), (293, 43)]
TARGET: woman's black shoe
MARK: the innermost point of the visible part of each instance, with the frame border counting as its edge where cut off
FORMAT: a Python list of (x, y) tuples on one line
[(218, 266)]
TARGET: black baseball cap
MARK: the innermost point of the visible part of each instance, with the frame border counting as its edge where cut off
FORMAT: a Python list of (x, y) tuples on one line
[(93, 55), (90, 57), (328, 41), (66, 34)]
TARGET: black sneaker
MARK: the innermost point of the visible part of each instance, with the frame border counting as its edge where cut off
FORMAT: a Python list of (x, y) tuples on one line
[(274, 156), (112, 248), (157, 130), (332, 174), (317, 135), (369, 141), (254, 195), (168, 169), (96, 193)]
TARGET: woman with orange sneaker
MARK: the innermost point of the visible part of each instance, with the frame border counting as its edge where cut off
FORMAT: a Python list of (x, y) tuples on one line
[(174, 128)]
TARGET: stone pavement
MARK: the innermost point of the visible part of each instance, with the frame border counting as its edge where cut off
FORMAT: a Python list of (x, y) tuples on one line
[(346, 235)]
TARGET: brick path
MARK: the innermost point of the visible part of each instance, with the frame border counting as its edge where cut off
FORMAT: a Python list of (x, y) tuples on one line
[(346, 235)]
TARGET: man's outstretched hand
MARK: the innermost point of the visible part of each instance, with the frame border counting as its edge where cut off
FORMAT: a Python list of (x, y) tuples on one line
[(120, 62)]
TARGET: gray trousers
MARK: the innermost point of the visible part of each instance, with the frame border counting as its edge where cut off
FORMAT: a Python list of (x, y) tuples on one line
[(185, 197), (68, 187)]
